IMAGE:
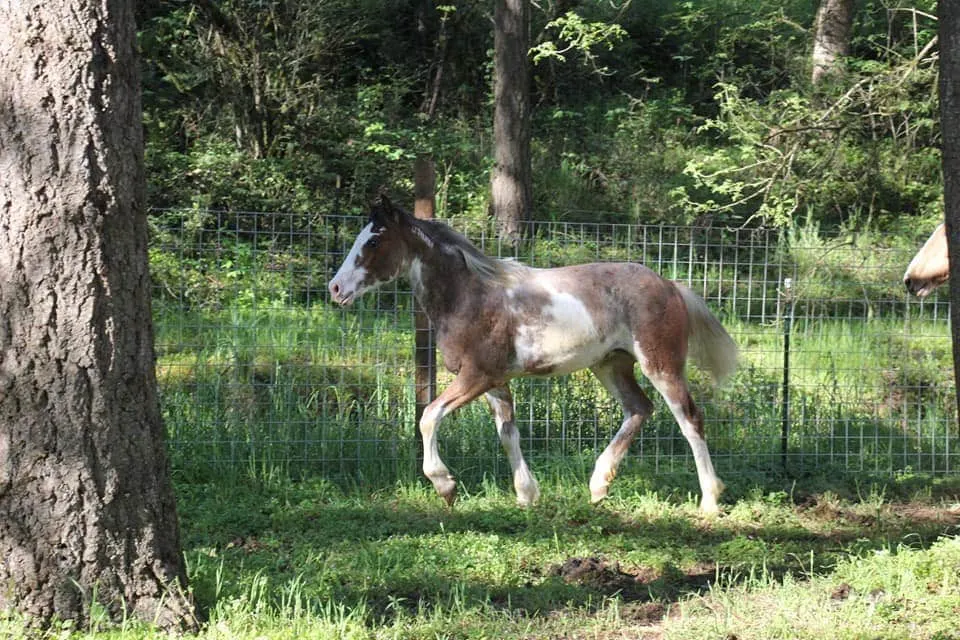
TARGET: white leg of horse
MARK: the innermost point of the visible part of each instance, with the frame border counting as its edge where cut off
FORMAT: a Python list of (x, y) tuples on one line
[(616, 375), (674, 390), (501, 403), (433, 467), (465, 387)]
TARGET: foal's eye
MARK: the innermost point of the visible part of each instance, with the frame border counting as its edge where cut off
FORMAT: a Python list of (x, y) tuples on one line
[(373, 242)]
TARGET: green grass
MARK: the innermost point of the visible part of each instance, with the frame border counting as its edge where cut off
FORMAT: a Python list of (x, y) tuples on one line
[(830, 557), (304, 514)]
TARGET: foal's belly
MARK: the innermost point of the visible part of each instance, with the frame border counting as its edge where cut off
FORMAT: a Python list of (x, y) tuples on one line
[(547, 360), (562, 338)]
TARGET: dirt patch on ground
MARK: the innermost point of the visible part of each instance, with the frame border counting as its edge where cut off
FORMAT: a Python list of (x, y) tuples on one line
[(635, 584), (824, 509), (593, 572), (645, 613), (925, 513)]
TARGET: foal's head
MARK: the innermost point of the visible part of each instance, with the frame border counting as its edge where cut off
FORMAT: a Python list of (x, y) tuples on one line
[(379, 254)]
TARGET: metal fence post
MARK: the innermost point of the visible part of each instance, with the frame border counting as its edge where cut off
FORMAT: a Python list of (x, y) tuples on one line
[(786, 295)]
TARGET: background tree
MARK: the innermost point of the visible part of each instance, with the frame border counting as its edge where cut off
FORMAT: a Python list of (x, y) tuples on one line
[(87, 509), (949, 84), (643, 111), (511, 182), (831, 36)]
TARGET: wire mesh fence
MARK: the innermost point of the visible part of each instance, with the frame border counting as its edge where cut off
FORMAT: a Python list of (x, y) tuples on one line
[(257, 369)]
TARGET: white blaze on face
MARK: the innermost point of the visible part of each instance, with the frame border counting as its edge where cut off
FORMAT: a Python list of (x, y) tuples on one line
[(562, 338), (347, 284)]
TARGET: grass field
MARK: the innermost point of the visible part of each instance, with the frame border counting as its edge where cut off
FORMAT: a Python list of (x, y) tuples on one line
[(304, 514), (814, 558)]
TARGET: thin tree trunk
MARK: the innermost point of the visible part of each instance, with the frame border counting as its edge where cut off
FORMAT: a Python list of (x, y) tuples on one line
[(511, 190), (425, 348), (86, 502), (831, 38), (431, 94), (949, 25)]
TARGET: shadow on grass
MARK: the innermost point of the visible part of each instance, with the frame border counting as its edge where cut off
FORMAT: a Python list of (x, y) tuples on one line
[(400, 550)]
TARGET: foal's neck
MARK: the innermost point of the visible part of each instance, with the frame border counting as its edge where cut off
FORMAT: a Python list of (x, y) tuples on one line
[(441, 281)]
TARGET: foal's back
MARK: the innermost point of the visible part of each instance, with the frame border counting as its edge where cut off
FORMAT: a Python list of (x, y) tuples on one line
[(569, 318)]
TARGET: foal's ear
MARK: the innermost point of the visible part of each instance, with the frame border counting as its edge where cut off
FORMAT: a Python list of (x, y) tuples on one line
[(384, 211)]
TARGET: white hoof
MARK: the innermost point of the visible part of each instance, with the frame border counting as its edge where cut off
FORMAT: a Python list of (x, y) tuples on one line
[(528, 493), (599, 485)]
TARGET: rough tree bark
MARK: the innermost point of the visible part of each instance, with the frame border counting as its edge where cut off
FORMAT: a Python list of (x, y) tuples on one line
[(831, 37), (86, 501), (510, 184), (949, 36)]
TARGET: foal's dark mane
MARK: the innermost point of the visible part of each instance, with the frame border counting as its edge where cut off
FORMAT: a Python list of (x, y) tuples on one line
[(443, 238)]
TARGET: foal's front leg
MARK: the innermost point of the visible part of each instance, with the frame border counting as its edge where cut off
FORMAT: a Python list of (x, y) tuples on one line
[(501, 403), (465, 387)]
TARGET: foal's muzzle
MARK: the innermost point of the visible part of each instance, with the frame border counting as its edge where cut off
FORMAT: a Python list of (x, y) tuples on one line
[(338, 295), (921, 287), (911, 285)]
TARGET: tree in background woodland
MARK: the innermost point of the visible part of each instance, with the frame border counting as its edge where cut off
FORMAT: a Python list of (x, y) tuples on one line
[(511, 184), (949, 17), (831, 37)]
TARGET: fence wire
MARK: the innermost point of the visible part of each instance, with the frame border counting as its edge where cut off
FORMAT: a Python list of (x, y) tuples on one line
[(840, 368)]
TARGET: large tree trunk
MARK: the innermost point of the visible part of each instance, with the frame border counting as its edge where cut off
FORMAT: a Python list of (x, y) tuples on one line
[(511, 191), (949, 15), (831, 37), (86, 502)]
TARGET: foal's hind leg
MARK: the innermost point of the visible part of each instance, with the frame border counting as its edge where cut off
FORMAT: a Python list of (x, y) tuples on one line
[(501, 403), (673, 387), (616, 374)]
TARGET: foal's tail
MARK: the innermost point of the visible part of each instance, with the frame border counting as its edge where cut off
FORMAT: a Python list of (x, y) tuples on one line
[(710, 345)]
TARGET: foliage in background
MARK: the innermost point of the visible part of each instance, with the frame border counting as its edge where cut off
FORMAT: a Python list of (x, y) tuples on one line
[(649, 110), (862, 152)]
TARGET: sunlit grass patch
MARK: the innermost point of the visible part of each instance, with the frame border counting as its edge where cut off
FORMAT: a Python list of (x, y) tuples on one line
[(900, 591), (396, 562)]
